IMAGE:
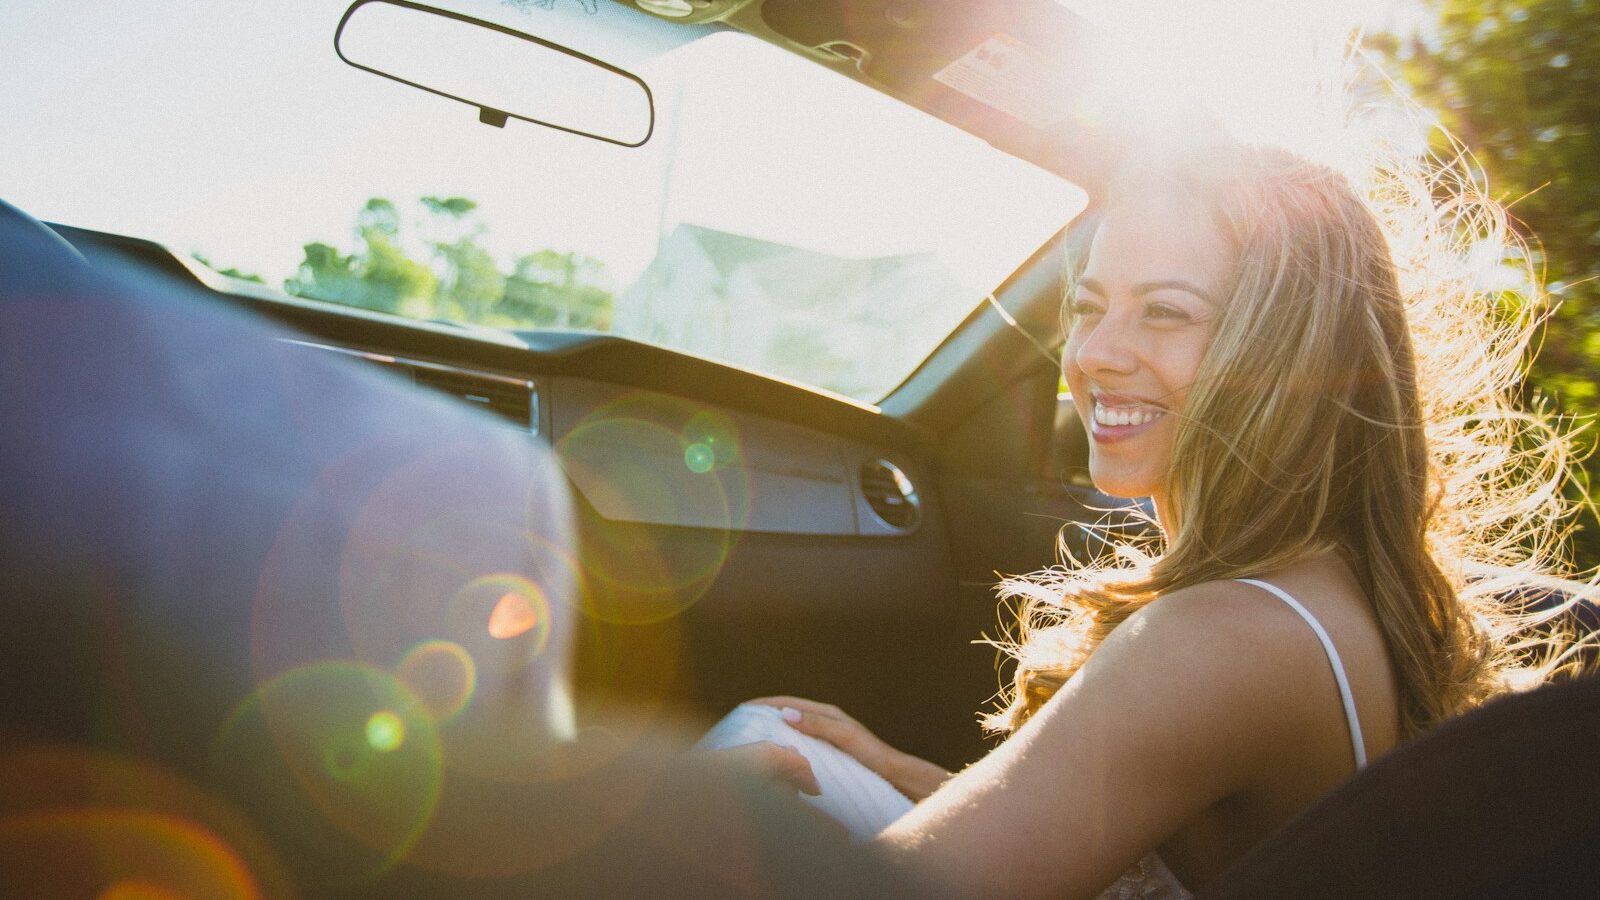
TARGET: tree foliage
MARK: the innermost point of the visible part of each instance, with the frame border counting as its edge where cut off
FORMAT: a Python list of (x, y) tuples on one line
[(558, 290), (439, 268), (230, 271), (1518, 82)]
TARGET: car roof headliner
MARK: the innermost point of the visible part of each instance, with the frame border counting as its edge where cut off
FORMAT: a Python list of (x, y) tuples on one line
[(898, 46)]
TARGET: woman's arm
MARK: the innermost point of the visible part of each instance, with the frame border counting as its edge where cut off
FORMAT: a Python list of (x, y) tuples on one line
[(1188, 702)]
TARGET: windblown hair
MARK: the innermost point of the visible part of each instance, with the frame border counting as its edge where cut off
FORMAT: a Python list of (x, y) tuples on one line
[(1361, 396)]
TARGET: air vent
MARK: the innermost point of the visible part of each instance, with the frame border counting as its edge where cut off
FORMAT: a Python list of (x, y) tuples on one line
[(509, 398), (890, 494)]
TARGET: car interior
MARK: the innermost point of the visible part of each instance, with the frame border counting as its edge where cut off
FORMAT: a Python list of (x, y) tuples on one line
[(739, 532), (846, 566), (850, 552)]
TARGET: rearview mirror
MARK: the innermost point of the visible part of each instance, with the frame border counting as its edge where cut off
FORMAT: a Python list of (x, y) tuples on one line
[(502, 72)]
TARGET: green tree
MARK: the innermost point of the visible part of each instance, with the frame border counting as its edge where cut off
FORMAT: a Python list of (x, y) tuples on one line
[(454, 276), (470, 284), (378, 275), (550, 289), (230, 271), (456, 207), (379, 216), (1518, 81), (392, 279), (326, 274)]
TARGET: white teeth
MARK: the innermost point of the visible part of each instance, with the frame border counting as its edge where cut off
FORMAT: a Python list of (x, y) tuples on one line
[(1128, 415)]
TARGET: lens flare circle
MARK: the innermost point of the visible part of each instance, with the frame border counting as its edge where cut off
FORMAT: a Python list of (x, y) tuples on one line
[(507, 608), (77, 822), (385, 731), (117, 853), (138, 889), (699, 458), (643, 461), (442, 676), (715, 434), (347, 752)]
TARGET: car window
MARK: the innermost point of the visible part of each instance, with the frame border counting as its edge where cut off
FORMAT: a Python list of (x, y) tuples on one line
[(782, 218)]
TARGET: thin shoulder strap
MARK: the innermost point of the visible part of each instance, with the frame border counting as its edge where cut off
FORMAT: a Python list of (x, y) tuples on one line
[(1356, 742)]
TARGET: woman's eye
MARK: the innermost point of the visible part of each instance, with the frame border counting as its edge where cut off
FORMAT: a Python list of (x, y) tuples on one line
[(1165, 312), (1082, 307)]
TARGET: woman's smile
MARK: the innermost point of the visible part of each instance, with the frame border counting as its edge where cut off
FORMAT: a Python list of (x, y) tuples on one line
[(1117, 419)]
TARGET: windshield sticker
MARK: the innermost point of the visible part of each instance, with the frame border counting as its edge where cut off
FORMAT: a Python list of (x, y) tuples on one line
[(1008, 75), (589, 6)]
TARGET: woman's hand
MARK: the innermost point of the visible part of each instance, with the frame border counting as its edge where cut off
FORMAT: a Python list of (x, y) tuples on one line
[(916, 778), (765, 759)]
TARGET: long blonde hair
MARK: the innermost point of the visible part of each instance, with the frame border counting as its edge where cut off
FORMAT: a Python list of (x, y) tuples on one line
[(1360, 395)]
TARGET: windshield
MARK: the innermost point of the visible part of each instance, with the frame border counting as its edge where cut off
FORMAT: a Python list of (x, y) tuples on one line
[(782, 217)]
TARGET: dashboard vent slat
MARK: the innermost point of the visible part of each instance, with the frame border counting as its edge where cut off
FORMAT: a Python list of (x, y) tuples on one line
[(512, 400), (890, 494)]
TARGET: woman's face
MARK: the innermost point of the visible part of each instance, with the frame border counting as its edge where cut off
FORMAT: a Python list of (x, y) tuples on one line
[(1143, 314)]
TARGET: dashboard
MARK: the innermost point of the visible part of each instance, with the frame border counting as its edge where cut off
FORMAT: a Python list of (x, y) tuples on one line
[(648, 457), (634, 451), (738, 535)]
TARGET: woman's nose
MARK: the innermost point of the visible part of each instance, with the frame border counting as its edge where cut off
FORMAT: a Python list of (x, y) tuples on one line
[(1107, 346)]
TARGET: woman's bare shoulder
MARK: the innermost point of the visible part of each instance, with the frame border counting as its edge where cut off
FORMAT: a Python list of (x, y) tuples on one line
[(1220, 617), (1223, 652)]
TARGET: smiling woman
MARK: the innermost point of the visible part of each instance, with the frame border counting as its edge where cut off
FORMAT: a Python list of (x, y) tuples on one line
[(1337, 460), (1239, 338)]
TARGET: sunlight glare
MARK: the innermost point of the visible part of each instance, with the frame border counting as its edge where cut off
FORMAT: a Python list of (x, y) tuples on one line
[(1267, 71)]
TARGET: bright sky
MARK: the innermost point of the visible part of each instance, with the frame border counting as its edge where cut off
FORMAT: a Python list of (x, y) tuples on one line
[(234, 130), (1271, 70)]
